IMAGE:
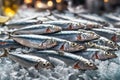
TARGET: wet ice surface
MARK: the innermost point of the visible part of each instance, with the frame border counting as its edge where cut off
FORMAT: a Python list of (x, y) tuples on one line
[(107, 70)]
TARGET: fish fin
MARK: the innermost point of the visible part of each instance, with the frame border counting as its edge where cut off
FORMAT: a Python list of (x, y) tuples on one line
[(70, 27), (6, 52), (48, 30), (76, 65), (79, 38), (36, 66), (62, 47), (114, 38), (95, 56)]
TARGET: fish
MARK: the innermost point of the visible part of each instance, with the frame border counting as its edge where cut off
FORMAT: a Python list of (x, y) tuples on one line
[(46, 42), (27, 61), (78, 62), (76, 36), (20, 24), (88, 24), (9, 43), (66, 25), (37, 29), (94, 19), (106, 42), (93, 54), (34, 41), (112, 35)]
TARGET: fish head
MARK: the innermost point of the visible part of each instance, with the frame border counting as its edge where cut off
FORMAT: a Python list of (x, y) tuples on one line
[(112, 45), (73, 47), (48, 43), (44, 64), (57, 28), (85, 65), (104, 55)]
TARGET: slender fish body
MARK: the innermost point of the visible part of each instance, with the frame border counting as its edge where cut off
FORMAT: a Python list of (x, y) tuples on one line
[(9, 44), (35, 41), (76, 36), (66, 25), (76, 61), (30, 61), (97, 54), (94, 19), (19, 24), (37, 29), (112, 35)]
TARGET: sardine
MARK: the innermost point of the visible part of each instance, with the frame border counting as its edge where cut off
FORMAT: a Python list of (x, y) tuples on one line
[(94, 19), (19, 24), (79, 36), (88, 24), (37, 29), (30, 61), (35, 41), (97, 54), (66, 25), (76, 61), (9, 44), (112, 35)]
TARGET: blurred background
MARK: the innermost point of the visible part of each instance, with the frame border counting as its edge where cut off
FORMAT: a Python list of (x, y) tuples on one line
[(10, 7)]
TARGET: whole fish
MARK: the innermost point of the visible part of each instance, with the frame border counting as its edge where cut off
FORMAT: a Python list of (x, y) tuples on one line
[(94, 19), (19, 24), (66, 25), (112, 35), (9, 44), (76, 35), (37, 29), (76, 61), (35, 41), (29, 60), (97, 54), (88, 24)]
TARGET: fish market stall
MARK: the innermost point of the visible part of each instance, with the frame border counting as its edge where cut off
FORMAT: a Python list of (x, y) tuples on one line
[(59, 40)]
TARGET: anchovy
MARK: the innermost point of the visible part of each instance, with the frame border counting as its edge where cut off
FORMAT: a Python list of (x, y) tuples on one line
[(112, 35), (19, 24), (80, 36), (9, 44), (97, 54), (66, 25), (30, 61), (78, 62), (94, 19), (37, 29), (35, 41)]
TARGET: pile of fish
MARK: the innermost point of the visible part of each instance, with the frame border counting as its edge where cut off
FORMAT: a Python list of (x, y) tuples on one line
[(75, 40)]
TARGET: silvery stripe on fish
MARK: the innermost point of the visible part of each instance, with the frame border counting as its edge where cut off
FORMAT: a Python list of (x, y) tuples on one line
[(9, 44), (66, 25), (76, 35), (97, 54), (37, 29), (67, 58), (94, 19), (30, 61), (22, 23), (106, 42), (88, 24), (112, 35), (111, 18), (35, 41)]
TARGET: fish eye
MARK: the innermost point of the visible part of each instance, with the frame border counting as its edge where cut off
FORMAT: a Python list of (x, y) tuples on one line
[(43, 64), (89, 63), (73, 44), (107, 53)]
